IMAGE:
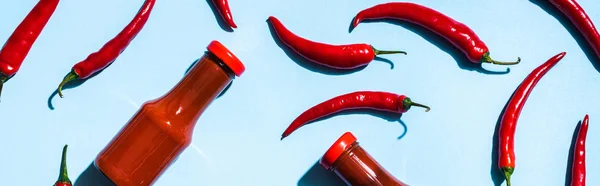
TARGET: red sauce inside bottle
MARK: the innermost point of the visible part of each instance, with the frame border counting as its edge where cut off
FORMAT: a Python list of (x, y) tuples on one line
[(354, 165), (162, 128)]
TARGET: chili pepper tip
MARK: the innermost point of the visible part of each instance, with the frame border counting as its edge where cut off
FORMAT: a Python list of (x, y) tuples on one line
[(487, 59), (70, 77), (283, 136), (63, 177), (355, 22)]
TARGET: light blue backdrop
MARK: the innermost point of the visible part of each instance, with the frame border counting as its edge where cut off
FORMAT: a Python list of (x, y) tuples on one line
[(236, 141)]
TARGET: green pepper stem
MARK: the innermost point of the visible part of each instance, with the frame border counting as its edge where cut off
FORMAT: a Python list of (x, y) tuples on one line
[(3, 79), (70, 77), (421, 105), (63, 177), (487, 59), (378, 52), (507, 173)]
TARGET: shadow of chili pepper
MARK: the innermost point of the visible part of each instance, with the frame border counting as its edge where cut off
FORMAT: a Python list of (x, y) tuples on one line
[(566, 23), (568, 177), (461, 59), (314, 67), (405, 129), (72, 84), (319, 176), (194, 63), (218, 17), (377, 58), (91, 176)]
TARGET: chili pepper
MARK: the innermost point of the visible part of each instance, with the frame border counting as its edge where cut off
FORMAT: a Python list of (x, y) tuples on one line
[(223, 8), (578, 171), (375, 100), (581, 20), (63, 177), (511, 114), (455, 32), (20, 42), (334, 56), (111, 50)]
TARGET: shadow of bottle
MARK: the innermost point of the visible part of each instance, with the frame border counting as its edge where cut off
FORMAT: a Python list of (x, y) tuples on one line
[(388, 116), (218, 17), (566, 23), (318, 176), (461, 59), (569, 171), (91, 176), (315, 67)]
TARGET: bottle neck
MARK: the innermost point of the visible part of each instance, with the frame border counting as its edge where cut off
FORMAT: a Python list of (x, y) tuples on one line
[(185, 102), (356, 167)]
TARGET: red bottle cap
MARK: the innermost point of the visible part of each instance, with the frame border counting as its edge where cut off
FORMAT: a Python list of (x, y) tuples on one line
[(337, 149), (227, 57)]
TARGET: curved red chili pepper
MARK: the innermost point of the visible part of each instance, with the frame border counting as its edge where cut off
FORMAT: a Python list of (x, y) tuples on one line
[(455, 32), (63, 177), (508, 124), (578, 174), (334, 56), (20, 42), (375, 100), (581, 20), (223, 8), (111, 50)]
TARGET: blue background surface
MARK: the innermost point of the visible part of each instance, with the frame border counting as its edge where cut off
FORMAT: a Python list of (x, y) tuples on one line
[(236, 141)]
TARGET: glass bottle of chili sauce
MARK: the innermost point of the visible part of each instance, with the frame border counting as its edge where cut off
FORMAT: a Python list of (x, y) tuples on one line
[(354, 165), (162, 128)]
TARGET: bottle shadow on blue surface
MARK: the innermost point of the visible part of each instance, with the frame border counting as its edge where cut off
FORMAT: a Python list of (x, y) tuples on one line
[(389, 116), (91, 176), (315, 67), (566, 23), (72, 84), (194, 63), (461, 59), (568, 177), (318, 176), (218, 17)]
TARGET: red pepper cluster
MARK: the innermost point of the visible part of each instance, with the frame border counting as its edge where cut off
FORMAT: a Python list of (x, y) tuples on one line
[(462, 37), (344, 57)]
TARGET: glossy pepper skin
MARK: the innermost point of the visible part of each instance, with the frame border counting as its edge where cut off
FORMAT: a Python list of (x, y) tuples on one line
[(508, 123), (455, 32), (578, 167), (225, 12), (581, 20), (111, 50), (343, 57), (19, 44), (63, 177), (375, 100)]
